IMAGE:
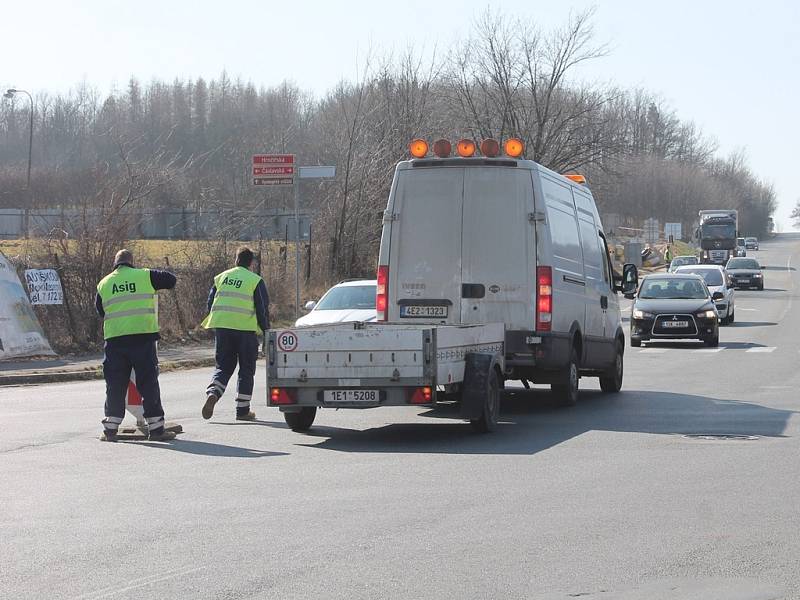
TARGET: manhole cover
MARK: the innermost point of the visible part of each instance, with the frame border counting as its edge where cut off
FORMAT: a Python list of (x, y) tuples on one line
[(719, 436)]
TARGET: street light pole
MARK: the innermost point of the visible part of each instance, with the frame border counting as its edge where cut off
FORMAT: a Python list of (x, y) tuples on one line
[(10, 94)]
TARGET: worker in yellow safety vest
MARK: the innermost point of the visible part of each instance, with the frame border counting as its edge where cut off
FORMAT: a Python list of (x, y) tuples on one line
[(126, 300), (238, 306)]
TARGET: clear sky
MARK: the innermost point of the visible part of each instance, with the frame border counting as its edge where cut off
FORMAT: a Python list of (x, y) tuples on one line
[(733, 67)]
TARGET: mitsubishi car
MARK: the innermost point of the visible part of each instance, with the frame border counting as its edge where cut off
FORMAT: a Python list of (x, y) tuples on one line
[(673, 307)]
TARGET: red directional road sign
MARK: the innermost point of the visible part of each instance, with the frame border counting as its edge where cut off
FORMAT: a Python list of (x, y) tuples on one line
[(273, 169)]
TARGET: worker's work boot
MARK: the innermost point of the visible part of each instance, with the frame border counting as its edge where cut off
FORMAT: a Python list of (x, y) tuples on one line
[(162, 435), (248, 416), (108, 436), (208, 407)]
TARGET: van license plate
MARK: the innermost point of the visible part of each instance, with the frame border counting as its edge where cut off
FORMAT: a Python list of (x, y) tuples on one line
[(675, 324), (422, 312), (744, 281), (367, 396)]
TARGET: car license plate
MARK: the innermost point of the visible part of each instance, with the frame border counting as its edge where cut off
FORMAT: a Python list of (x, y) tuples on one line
[(367, 396), (422, 312), (675, 324), (744, 281)]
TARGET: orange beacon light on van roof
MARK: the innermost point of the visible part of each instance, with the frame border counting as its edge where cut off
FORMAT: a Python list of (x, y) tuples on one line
[(442, 148), (490, 148), (418, 148), (514, 147), (465, 148)]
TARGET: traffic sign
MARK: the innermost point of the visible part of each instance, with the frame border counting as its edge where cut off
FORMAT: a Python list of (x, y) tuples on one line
[(273, 169), (674, 230)]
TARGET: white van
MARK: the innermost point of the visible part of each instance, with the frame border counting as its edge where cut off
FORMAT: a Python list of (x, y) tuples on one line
[(505, 240)]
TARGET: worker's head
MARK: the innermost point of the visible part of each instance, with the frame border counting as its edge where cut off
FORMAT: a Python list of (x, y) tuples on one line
[(123, 257), (244, 257)]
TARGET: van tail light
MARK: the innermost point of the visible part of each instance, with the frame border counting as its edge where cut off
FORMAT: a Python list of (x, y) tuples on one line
[(544, 298), (382, 293), (280, 396), (423, 395)]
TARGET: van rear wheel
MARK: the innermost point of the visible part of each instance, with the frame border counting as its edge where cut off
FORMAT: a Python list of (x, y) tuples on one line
[(611, 382), (302, 420), (566, 392)]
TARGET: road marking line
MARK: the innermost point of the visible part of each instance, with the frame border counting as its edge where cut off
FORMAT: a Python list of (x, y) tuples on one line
[(154, 578), (762, 350), (747, 309), (710, 350), (791, 289), (653, 351)]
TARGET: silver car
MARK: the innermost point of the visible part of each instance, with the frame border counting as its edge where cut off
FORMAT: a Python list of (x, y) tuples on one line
[(717, 280)]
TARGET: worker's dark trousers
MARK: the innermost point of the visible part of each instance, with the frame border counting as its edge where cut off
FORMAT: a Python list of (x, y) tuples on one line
[(117, 364), (234, 346)]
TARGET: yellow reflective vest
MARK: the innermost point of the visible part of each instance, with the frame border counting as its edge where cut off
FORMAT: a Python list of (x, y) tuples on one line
[(129, 302), (233, 306)]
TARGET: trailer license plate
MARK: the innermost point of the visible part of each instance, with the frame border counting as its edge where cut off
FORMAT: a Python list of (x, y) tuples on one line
[(415, 311), (351, 396), (675, 324)]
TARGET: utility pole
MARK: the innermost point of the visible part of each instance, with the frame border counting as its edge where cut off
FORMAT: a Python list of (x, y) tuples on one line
[(10, 94)]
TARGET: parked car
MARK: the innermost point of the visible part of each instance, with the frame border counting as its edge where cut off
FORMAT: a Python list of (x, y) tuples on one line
[(751, 243), (674, 306), (680, 261), (745, 273), (346, 301), (717, 280), (741, 247)]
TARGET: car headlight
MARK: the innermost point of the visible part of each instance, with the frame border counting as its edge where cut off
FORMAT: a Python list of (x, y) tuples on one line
[(640, 314), (758, 275), (707, 314)]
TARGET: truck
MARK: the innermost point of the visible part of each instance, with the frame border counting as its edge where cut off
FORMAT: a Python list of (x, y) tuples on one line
[(491, 268), (717, 233)]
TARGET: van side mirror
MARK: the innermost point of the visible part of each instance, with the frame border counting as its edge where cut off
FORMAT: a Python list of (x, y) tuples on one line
[(630, 280), (309, 306)]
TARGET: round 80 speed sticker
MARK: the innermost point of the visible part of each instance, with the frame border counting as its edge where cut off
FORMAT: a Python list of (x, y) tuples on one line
[(287, 341)]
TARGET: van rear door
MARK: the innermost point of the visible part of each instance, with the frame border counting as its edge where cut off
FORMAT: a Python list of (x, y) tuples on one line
[(498, 250), (425, 245)]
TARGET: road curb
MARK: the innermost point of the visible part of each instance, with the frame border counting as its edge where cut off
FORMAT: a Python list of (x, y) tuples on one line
[(95, 373)]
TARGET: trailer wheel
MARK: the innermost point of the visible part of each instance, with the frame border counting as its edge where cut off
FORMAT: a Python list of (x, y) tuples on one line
[(302, 420), (491, 408)]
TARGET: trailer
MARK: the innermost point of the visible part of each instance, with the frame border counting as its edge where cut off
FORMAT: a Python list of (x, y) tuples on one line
[(369, 365)]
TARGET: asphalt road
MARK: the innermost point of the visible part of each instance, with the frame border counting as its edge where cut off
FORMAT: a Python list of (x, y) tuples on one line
[(608, 499)]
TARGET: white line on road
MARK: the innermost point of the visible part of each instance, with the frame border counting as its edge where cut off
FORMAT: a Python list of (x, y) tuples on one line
[(791, 289), (154, 578), (653, 351), (747, 309), (763, 350), (710, 350)]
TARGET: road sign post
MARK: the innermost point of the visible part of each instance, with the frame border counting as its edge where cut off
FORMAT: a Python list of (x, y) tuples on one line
[(282, 170)]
